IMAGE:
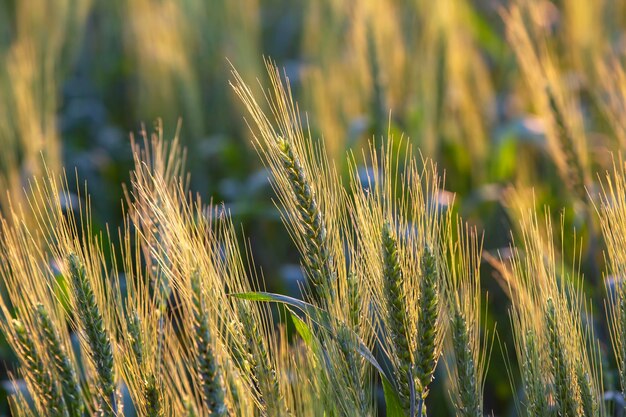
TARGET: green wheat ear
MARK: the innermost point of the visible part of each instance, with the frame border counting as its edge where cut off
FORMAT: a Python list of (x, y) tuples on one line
[(533, 379), (46, 390), (588, 399), (427, 328), (354, 301), (346, 339), (152, 397), (151, 394), (469, 397), (261, 364), (576, 178), (318, 258), (64, 367), (396, 320), (99, 343), (207, 367), (134, 332), (566, 393)]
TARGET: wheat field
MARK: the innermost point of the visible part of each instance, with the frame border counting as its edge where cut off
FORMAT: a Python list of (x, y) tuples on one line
[(314, 208)]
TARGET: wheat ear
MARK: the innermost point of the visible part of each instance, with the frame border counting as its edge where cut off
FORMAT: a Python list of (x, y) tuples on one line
[(264, 372), (427, 328), (565, 386), (134, 333), (319, 261), (207, 366), (92, 324), (587, 395), (532, 376), (46, 390), (396, 320), (468, 384), (152, 396), (64, 367), (576, 177)]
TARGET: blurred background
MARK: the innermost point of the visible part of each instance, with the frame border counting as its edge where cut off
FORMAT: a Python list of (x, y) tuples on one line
[(520, 94)]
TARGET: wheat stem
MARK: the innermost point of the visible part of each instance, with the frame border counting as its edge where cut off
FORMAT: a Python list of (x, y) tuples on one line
[(622, 337)]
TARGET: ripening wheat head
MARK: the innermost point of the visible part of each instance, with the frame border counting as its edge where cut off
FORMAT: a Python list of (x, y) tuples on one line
[(468, 345), (166, 328), (399, 223), (612, 212), (312, 202), (554, 343), (556, 103), (39, 333), (306, 184), (67, 272), (197, 264), (299, 375)]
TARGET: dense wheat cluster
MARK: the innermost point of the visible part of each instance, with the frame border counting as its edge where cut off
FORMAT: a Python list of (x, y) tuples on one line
[(418, 209)]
